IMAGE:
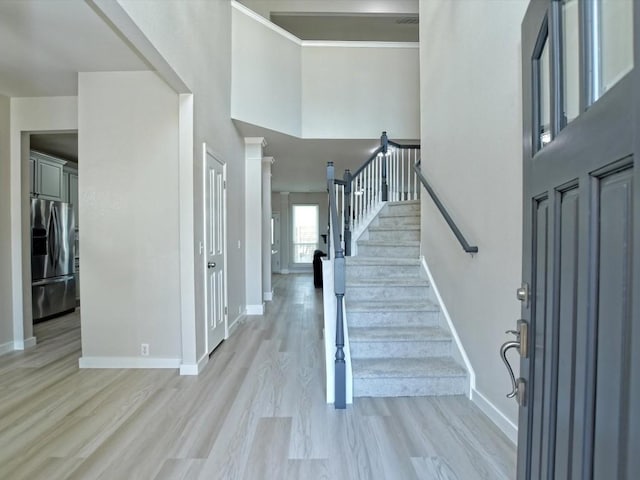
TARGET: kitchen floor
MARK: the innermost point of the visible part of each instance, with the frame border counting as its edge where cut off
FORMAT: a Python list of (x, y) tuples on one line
[(256, 412)]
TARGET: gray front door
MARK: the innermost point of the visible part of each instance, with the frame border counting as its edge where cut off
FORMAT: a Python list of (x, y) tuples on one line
[(581, 377)]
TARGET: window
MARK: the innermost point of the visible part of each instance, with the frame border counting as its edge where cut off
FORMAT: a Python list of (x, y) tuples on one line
[(570, 60), (305, 232), (614, 28)]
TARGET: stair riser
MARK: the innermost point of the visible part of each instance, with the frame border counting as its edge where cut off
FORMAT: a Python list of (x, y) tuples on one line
[(355, 272), (386, 292), (399, 319), (388, 251), (402, 209), (408, 387), (397, 221), (421, 349), (395, 235)]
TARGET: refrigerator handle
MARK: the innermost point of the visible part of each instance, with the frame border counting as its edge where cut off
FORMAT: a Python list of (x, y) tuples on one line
[(51, 237), (56, 232)]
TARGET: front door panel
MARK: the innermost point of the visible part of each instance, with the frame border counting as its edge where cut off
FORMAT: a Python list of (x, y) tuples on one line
[(580, 232)]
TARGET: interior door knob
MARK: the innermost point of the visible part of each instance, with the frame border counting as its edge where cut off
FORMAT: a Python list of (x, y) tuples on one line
[(211, 265)]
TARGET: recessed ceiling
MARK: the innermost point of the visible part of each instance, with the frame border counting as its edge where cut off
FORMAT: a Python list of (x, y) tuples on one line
[(44, 44), (61, 145), (350, 27)]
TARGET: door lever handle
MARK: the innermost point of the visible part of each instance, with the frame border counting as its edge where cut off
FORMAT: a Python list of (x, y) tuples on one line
[(506, 346), (211, 265)]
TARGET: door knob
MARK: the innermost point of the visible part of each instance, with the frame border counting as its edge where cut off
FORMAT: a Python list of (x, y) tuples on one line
[(211, 265)]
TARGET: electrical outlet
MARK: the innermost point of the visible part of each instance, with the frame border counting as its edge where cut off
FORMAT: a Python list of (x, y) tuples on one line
[(144, 349), (238, 243)]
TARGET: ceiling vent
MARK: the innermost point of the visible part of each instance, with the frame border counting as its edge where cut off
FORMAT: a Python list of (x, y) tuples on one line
[(408, 21)]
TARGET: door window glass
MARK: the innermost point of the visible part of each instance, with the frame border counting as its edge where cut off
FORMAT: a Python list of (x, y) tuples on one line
[(544, 96), (305, 232), (570, 60), (616, 41)]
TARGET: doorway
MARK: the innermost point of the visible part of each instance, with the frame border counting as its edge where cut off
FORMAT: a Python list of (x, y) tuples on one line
[(53, 232), (215, 221)]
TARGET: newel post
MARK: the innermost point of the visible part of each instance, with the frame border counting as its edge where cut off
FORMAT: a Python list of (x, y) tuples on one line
[(347, 212), (384, 143)]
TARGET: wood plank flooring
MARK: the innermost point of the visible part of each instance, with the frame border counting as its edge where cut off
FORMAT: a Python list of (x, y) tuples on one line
[(256, 412)]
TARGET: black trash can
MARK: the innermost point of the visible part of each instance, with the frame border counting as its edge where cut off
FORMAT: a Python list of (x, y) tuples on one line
[(317, 268)]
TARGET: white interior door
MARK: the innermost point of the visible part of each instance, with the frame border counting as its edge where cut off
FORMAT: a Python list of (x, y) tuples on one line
[(275, 242), (215, 245)]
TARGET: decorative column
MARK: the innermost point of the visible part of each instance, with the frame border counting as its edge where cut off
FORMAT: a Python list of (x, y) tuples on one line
[(253, 224), (266, 229)]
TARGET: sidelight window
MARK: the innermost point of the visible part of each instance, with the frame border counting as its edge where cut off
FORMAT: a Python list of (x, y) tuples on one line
[(305, 232)]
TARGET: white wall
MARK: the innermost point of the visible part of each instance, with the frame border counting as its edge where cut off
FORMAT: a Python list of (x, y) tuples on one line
[(322, 89), (29, 115), (351, 92), (128, 146), (6, 322), (195, 40), (285, 202), (265, 76), (472, 154)]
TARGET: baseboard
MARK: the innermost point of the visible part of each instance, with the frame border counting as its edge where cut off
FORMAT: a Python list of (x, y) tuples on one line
[(495, 415), (255, 309), (26, 343), (268, 296), (194, 368), (452, 329), (128, 362), (234, 324), (284, 271), (7, 347)]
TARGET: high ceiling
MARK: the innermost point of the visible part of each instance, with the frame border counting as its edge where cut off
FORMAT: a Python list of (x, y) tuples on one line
[(45, 43), (349, 27)]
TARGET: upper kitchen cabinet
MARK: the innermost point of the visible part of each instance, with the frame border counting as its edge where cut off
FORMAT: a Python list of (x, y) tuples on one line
[(70, 187), (46, 176)]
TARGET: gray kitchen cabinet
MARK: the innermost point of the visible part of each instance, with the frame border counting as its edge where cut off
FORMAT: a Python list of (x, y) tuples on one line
[(47, 176)]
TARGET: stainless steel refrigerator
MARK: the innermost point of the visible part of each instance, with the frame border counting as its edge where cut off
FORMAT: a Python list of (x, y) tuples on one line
[(53, 285)]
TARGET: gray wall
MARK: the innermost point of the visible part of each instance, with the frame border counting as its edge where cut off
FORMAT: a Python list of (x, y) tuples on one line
[(128, 186), (472, 154), (6, 325), (195, 39)]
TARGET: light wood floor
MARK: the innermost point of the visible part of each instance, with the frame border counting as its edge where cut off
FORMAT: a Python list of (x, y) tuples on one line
[(257, 412)]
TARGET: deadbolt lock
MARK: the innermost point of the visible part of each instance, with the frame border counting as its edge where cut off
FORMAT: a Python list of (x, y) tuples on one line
[(522, 294)]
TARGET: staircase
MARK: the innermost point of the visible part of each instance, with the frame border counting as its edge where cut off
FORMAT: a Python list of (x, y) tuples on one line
[(399, 347)]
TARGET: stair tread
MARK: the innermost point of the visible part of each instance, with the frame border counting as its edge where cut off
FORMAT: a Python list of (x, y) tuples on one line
[(398, 334), (403, 202), (410, 281), (382, 261), (390, 306), (406, 367), (391, 228), (390, 243)]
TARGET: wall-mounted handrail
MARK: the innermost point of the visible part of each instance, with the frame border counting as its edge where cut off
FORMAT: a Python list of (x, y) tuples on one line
[(339, 288), (443, 211)]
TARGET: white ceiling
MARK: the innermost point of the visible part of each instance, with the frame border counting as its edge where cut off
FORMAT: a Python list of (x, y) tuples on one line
[(45, 43), (300, 164)]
